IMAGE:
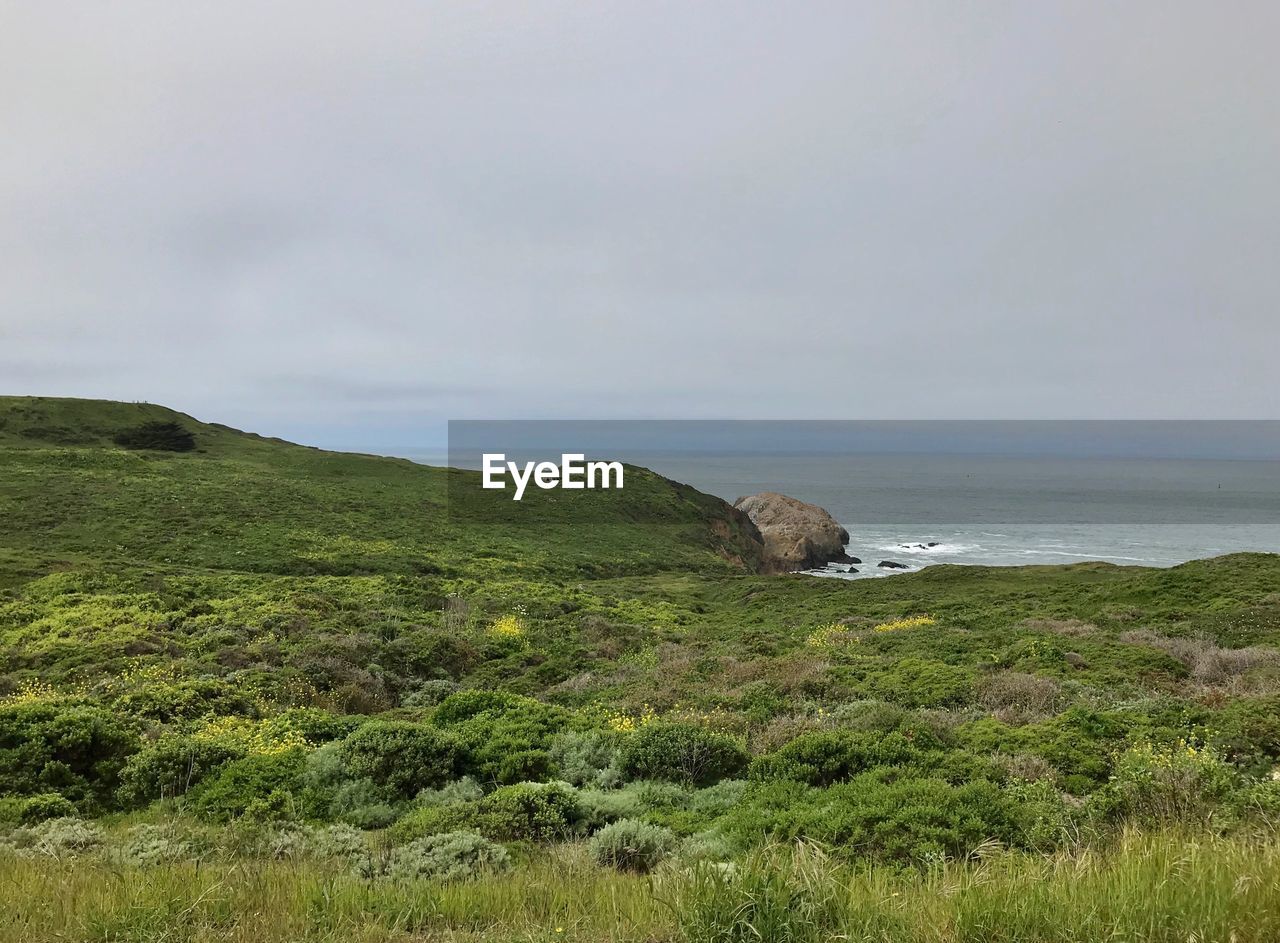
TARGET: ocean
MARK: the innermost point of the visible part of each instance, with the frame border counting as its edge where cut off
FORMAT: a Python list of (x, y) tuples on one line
[(1013, 510), (920, 509)]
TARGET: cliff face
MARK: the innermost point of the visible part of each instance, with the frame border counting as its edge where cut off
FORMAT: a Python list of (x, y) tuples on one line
[(797, 535)]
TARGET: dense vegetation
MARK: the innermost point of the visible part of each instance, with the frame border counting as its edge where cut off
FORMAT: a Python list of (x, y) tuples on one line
[(218, 659)]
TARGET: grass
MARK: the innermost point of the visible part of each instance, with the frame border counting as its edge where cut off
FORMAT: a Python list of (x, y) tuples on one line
[(1155, 888)]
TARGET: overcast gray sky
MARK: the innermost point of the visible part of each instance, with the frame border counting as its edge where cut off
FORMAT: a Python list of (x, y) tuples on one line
[(347, 222)]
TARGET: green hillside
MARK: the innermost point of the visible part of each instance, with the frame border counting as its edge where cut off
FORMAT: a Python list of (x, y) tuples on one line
[(244, 503), (318, 676)]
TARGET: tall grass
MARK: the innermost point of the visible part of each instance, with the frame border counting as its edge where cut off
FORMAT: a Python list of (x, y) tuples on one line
[(1147, 889), (1159, 888)]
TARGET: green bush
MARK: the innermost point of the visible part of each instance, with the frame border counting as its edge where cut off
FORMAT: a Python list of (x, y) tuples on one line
[(27, 810), (421, 821), (876, 816), (399, 756), (459, 791), (641, 799), (454, 856), (1247, 732), (464, 705), (683, 753), (361, 803), (428, 693), (831, 756), (264, 787), (1042, 818), (504, 738), (1167, 785), (531, 811), (343, 842), (185, 699), (919, 682), (630, 845), (170, 767), (74, 750), (1080, 742)]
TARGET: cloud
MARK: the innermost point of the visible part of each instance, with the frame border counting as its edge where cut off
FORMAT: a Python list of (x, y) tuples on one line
[(295, 218)]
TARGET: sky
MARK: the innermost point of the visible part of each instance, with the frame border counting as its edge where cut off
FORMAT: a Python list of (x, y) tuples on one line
[(347, 223)]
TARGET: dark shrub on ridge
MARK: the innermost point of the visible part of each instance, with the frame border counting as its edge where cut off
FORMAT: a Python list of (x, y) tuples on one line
[(158, 437)]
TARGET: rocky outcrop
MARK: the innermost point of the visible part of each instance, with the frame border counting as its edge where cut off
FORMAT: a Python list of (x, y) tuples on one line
[(892, 565), (797, 536)]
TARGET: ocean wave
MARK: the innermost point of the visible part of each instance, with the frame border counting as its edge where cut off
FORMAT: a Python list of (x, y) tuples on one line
[(939, 548)]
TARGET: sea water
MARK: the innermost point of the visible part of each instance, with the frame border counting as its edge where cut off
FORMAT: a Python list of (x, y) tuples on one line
[(1013, 510), (1003, 510)]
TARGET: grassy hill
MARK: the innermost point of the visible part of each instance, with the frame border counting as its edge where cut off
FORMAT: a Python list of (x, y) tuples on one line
[(253, 646), (241, 502)]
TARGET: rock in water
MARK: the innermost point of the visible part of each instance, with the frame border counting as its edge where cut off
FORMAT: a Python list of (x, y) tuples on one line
[(797, 536), (892, 565)]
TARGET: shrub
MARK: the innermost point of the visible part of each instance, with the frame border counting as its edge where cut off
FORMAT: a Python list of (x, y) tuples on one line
[(454, 856), (1207, 662), (1247, 731), (683, 753), (709, 845), (461, 790), (586, 758), (421, 821), (1042, 817), (401, 757), (170, 767), (639, 799), (74, 750), (908, 820), (466, 704), (718, 799), (1258, 801), (821, 759), (27, 810), (287, 843), (1016, 697), (879, 716), (58, 838), (630, 845), (918, 682), (361, 803), (1177, 784), (337, 841), (149, 844), (532, 811), (434, 656), (504, 738), (159, 436), (263, 787), (429, 693)]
